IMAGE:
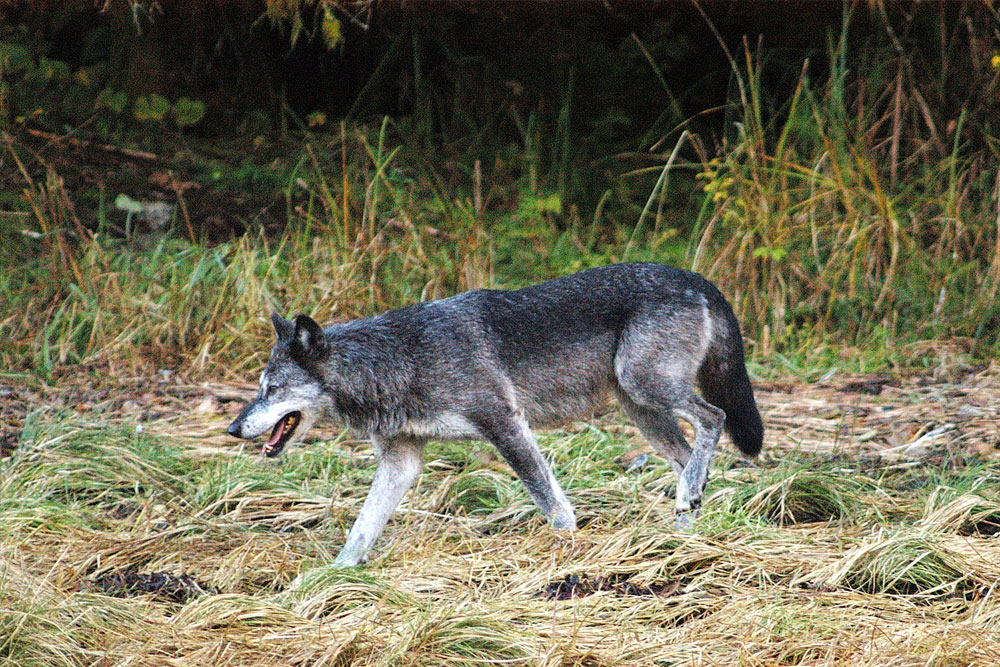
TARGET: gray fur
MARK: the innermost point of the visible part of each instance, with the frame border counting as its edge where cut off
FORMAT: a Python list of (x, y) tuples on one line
[(491, 364)]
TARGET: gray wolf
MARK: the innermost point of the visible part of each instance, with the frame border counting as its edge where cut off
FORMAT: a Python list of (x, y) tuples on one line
[(493, 364)]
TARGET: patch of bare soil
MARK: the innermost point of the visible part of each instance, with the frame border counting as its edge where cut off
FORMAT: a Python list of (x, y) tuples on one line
[(12, 412), (577, 586), (871, 384), (128, 583)]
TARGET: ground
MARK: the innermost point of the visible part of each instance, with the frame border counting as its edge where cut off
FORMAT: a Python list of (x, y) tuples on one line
[(137, 532)]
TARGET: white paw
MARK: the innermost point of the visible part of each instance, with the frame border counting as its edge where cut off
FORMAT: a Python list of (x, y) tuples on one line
[(345, 559), (684, 521), (564, 520)]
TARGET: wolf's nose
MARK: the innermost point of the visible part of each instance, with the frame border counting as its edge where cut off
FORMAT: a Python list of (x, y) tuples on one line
[(234, 430)]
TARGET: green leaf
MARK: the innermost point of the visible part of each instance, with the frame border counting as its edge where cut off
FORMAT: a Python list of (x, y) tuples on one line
[(773, 254), (316, 119), (53, 69), (115, 100), (550, 204), (127, 204), (188, 112), (151, 107), (14, 58)]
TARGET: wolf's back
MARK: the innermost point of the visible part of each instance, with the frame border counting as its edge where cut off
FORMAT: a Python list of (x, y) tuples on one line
[(723, 378)]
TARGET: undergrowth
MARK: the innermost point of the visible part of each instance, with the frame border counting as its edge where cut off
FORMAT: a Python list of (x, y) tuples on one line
[(828, 268), (845, 222)]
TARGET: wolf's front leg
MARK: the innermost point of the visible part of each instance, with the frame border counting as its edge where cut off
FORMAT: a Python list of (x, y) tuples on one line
[(511, 435), (399, 464)]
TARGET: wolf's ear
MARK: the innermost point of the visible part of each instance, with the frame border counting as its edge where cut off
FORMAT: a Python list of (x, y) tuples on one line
[(282, 327), (308, 338)]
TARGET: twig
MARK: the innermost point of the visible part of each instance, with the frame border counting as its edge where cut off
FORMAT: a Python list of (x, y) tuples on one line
[(179, 192), (129, 152)]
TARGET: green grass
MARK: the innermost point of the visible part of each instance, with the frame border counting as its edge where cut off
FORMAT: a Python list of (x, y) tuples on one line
[(781, 557), (478, 492), (802, 493)]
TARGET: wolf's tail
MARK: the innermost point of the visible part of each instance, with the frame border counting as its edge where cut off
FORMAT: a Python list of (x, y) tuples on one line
[(724, 382)]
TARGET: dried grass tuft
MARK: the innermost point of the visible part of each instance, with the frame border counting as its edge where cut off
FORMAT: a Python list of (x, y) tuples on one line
[(906, 563), (966, 514), (328, 591), (793, 495), (464, 635)]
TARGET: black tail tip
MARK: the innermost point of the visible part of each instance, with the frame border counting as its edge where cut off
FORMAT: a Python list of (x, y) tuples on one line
[(752, 445), (746, 430)]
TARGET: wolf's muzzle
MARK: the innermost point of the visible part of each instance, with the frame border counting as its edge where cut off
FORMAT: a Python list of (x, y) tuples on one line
[(236, 428)]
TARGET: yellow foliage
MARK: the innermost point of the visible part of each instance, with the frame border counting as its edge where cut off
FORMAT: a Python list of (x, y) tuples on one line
[(332, 34)]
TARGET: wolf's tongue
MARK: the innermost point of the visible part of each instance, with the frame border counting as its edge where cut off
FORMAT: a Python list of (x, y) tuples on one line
[(279, 428)]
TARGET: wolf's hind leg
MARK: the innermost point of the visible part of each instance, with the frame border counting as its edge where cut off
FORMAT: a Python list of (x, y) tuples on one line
[(661, 399), (399, 464), (660, 428), (707, 421), (511, 435)]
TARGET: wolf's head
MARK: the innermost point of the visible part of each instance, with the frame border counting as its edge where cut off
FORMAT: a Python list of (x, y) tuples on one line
[(291, 394)]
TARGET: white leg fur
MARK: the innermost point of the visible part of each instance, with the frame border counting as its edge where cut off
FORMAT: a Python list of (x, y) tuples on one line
[(399, 465)]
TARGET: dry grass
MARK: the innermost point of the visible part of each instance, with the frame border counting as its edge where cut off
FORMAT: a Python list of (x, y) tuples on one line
[(841, 548)]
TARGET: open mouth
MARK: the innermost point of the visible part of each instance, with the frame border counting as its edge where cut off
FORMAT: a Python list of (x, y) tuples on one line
[(281, 434)]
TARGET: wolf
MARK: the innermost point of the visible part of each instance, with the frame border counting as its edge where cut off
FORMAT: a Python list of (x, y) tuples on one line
[(494, 364)]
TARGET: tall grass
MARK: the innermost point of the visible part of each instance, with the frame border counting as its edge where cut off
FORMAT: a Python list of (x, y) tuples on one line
[(351, 246), (854, 213)]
